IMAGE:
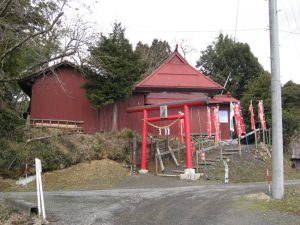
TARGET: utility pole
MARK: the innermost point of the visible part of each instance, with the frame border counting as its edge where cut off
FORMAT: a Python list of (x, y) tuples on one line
[(277, 144)]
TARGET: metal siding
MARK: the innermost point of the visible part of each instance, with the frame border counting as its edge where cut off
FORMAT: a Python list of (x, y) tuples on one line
[(127, 120), (105, 118), (124, 120), (60, 96)]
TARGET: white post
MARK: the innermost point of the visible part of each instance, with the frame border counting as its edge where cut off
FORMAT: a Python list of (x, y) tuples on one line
[(39, 188), (226, 177)]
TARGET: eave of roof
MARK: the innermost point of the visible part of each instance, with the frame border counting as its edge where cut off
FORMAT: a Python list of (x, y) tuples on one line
[(218, 99), (26, 82)]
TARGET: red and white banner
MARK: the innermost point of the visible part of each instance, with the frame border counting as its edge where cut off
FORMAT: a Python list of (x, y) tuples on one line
[(239, 123), (202, 156), (181, 126), (237, 119), (208, 123), (252, 116), (261, 115), (243, 130), (217, 124)]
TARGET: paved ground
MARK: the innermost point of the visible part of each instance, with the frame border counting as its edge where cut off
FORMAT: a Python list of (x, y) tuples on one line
[(203, 204)]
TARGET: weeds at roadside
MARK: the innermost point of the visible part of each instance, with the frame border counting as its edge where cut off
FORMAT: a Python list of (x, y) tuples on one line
[(289, 204)]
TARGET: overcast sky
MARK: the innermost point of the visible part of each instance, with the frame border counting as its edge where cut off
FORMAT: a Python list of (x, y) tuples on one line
[(196, 24)]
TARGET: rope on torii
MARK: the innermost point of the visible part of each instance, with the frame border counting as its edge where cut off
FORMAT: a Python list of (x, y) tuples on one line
[(166, 127)]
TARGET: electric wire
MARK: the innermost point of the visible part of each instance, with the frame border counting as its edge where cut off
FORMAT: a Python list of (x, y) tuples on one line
[(236, 19), (290, 28)]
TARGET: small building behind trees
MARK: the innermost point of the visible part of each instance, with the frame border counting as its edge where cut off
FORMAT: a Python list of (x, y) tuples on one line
[(58, 99), (295, 146)]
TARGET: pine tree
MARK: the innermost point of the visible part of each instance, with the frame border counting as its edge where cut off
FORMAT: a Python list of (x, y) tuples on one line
[(153, 55), (114, 68)]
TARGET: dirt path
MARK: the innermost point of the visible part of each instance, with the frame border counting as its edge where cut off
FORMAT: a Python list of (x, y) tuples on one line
[(202, 204)]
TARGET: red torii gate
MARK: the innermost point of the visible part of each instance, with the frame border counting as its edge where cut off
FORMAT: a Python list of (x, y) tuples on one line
[(189, 171)]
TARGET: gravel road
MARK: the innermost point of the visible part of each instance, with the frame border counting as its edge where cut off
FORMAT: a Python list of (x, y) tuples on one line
[(203, 204)]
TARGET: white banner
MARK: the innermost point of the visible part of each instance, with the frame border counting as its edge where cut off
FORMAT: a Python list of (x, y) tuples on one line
[(223, 116)]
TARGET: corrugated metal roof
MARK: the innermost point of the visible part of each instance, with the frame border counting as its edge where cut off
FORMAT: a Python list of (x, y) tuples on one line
[(26, 82), (176, 73), (226, 98)]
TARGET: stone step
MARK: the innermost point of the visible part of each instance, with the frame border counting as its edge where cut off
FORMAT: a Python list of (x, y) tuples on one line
[(201, 165), (230, 153), (211, 160), (177, 171), (233, 150), (207, 163), (224, 157), (167, 175)]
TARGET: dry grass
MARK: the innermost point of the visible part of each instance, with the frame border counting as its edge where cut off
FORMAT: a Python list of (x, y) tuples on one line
[(289, 204), (97, 174), (258, 196), (10, 217)]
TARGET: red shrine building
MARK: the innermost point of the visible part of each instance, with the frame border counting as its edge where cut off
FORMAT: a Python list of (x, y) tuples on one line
[(57, 99)]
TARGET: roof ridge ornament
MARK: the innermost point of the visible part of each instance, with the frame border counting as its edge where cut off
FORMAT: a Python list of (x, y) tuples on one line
[(176, 48)]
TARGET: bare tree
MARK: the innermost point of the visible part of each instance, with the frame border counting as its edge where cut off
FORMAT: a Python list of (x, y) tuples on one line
[(185, 47), (36, 35), (56, 39)]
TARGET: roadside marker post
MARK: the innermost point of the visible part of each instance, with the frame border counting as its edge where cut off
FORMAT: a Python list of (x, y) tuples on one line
[(226, 175), (39, 188), (268, 178)]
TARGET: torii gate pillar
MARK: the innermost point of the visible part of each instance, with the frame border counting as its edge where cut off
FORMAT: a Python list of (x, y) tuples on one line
[(143, 169), (189, 172)]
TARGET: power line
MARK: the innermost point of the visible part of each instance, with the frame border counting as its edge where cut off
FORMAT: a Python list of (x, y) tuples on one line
[(198, 31), (236, 19), (294, 15), (290, 27), (290, 32)]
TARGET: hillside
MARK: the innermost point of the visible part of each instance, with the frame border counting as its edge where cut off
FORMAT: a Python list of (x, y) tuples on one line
[(80, 161)]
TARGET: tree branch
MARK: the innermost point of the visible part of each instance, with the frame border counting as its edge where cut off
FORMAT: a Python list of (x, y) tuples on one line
[(39, 64), (5, 8), (8, 80), (29, 37), (52, 59)]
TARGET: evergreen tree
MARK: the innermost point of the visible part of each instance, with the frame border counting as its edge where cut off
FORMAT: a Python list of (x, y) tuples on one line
[(114, 68), (260, 89), (290, 110), (154, 55), (225, 56)]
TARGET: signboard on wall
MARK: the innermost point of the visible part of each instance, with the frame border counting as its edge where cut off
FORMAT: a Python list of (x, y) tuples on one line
[(163, 111), (223, 116)]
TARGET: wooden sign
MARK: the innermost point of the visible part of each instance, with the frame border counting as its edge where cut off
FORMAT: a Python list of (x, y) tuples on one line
[(163, 111)]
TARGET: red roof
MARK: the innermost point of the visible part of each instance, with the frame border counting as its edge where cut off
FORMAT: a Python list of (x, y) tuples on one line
[(176, 73), (226, 98)]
